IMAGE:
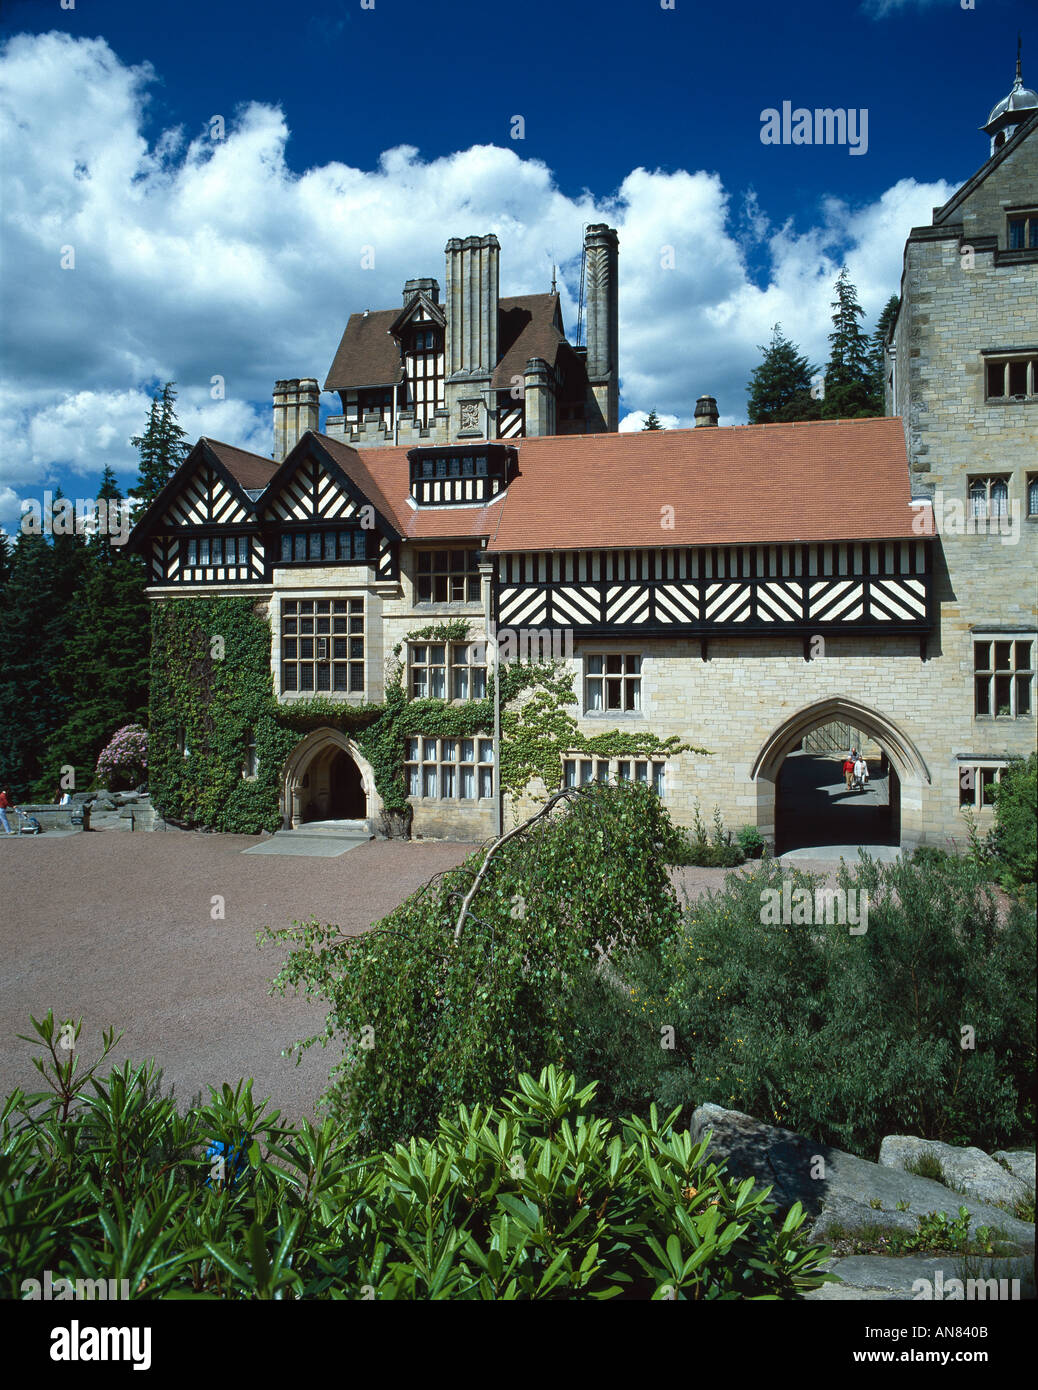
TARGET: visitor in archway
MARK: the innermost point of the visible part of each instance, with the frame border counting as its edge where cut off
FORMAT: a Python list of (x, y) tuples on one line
[(861, 772), (848, 767)]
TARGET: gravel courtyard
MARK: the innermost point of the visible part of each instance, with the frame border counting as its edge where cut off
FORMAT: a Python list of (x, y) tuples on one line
[(116, 929)]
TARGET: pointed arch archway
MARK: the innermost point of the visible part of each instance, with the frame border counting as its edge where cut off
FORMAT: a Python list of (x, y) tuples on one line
[(912, 773), (326, 777)]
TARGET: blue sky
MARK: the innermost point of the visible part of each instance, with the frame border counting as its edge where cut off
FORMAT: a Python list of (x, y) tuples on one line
[(238, 260)]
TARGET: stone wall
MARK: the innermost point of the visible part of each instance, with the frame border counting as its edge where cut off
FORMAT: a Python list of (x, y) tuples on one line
[(957, 302)]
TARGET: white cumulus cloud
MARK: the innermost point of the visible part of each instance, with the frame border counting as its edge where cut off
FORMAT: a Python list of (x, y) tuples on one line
[(194, 258)]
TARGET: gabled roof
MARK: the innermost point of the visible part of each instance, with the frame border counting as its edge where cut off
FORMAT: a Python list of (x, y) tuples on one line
[(368, 354), (944, 214), (237, 468), (841, 480), (410, 309), (529, 325), (250, 471), (343, 464)]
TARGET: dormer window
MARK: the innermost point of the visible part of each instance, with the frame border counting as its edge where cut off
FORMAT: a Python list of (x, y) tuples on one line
[(462, 473)]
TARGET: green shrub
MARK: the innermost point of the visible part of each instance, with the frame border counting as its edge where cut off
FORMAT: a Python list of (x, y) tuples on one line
[(714, 849), (533, 1198), (750, 842), (1013, 841), (930, 854), (427, 1022), (844, 1037)]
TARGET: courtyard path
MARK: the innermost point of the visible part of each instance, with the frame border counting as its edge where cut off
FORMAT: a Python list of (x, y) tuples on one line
[(117, 929)]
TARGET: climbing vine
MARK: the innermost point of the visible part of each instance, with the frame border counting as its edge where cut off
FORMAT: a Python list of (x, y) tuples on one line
[(212, 693)]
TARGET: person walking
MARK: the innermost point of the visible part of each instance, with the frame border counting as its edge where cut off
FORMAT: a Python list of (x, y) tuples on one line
[(6, 805), (848, 767)]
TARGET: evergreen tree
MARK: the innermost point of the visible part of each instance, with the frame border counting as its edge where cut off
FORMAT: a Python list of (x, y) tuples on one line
[(879, 339), (652, 421), (780, 388), (106, 654), (31, 620), (162, 448), (849, 392), (5, 558)]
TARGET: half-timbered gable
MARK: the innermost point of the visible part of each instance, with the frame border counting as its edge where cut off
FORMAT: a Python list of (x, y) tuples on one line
[(203, 527), (323, 507)]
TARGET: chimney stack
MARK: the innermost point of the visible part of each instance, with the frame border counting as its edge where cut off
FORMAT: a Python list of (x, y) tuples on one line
[(413, 288), (471, 304), (706, 412), (297, 408), (601, 250)]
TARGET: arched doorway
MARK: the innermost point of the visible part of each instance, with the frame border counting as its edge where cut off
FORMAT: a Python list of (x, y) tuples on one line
[(346, 799), (326, 778), (800, 797), (815, 808)]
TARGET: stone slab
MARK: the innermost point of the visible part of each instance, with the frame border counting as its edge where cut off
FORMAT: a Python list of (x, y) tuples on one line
[(321, 846)]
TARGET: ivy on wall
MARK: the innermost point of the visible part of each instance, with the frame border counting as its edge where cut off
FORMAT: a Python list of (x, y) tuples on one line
[(212, 688)]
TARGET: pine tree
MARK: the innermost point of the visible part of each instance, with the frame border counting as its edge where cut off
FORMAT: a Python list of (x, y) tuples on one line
[(5, 558), (848, 375), (106, 653), (780, 388), (652, 421), (162, 448), (876, 353)]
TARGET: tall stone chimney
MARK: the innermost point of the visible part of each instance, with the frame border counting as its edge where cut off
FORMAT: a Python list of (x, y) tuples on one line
[(473, 269), (706, 412), (297, 408), (601, 247)]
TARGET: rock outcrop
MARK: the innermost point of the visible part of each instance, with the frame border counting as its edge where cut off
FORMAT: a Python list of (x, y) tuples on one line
[(967, 1170), (839, 1191)]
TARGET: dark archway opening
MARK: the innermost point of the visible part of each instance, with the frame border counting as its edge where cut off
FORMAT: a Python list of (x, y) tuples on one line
[(814, 808), (346, 799)]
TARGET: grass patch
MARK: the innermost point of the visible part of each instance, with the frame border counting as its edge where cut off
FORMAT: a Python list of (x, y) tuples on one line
[(927, 1165)]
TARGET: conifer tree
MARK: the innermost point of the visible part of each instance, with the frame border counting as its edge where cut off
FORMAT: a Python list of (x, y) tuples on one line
[(32, 618), (879, 339), (849, 390), (780, 388), (162, 448), (106, 655), (652, 421)]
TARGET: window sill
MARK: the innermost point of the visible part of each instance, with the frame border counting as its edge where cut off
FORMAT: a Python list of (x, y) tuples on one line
[(464, 803), (632, 714)]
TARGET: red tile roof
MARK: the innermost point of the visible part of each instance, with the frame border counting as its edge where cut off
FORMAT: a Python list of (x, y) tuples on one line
[(839, 480), (250, 471), (750, 484)]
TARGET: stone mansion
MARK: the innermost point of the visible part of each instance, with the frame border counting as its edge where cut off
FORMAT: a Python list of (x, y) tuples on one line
[(736, 588)]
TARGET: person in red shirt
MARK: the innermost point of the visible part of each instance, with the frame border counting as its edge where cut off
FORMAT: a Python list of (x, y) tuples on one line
[(848, 768), (6, 805)]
